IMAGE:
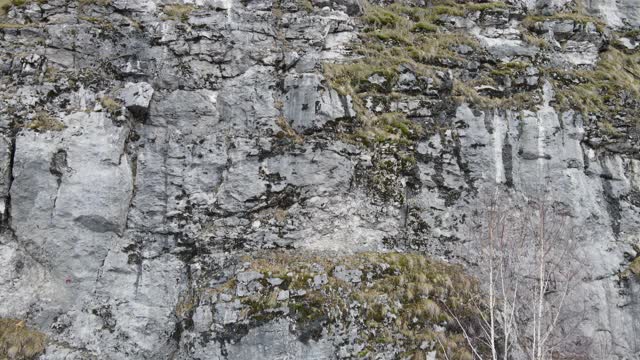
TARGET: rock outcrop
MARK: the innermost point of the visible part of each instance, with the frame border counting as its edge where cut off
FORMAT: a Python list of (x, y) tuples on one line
[(152, 152)]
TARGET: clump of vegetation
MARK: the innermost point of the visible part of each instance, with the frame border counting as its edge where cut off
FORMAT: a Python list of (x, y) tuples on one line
[(17, 341), (578, 17), (509, 68), (402, 300), (389, 127), (305, 5), (178, 11), (42, 121), (612, 88), (110, 105), (401, 35), (632, 270), (398, 38), (5, 6), (287, 131)]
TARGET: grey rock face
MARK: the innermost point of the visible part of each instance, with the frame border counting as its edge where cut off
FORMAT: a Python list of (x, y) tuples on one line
[(309, 108), (275, 341), (230, 139), (5, 173), (137, 97)]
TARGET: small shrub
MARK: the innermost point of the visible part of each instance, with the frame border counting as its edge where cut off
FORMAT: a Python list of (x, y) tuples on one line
[(288, 131)]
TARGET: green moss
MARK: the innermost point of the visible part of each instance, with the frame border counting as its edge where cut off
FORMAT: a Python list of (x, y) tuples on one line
[(17, 341)]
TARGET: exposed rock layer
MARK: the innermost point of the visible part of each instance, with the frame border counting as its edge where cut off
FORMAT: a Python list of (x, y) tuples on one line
[(146, 146)]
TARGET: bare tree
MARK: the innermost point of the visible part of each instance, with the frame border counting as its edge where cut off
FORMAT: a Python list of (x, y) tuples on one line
[(525, 258)]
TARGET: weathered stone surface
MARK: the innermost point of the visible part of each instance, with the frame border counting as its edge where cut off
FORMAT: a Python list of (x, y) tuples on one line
[(6, 149), (274, 341), (137, 97), (232, 140)]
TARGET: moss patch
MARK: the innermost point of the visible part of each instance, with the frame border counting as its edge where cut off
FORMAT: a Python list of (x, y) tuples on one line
[(17, 341)]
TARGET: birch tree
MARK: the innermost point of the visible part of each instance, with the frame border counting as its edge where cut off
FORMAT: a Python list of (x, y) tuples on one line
[(525, 262)]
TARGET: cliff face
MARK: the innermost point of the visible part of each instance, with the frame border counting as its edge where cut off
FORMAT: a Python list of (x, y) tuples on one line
[(152, 150)]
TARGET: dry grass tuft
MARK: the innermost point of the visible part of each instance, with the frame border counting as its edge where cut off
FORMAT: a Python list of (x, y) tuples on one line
[(178, 11), (19, 342), (45, 122)]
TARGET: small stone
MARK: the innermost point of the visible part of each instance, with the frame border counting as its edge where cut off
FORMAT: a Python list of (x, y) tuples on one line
[(283, 295), (377, 79), (226, 313), (248, 276), (137, 97), (320, 280), (352, 276), (275, 281), (226, 297)]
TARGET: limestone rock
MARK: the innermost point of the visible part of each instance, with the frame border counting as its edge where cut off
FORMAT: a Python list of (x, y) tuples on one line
[(137, 97)]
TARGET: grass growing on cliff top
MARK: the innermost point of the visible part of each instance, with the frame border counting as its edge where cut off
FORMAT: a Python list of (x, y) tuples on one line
[(402, 300), (395, 38), (17, 341), (401, 35), (598, 90)]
